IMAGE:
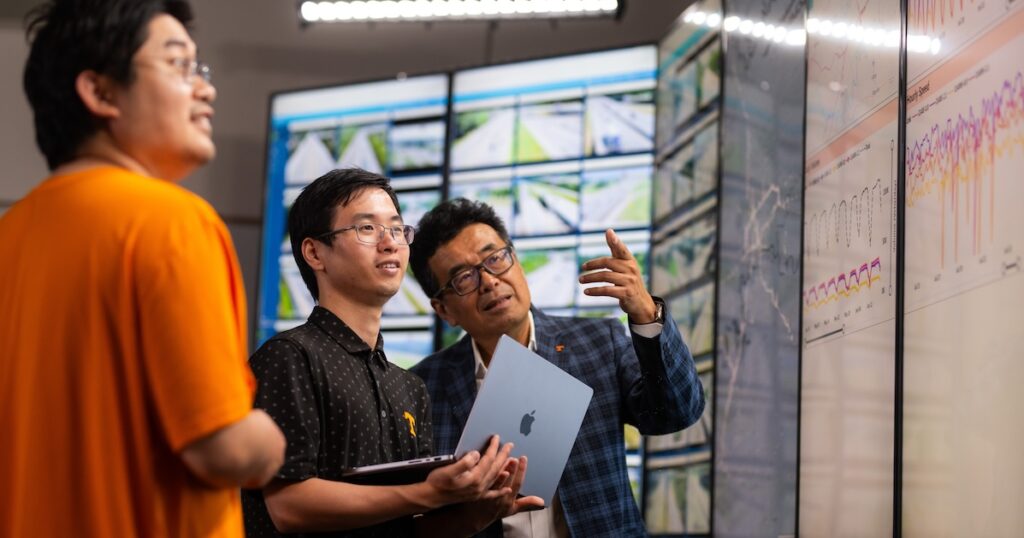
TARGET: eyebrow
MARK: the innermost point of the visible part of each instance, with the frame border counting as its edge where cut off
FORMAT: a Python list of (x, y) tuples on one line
[(371, 216), (176, 43)]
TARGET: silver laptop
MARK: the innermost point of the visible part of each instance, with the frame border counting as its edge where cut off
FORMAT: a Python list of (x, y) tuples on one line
[(524, 399)]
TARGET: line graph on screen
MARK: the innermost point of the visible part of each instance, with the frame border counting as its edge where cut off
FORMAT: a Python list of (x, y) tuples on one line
[(965, 148), (849, 233)]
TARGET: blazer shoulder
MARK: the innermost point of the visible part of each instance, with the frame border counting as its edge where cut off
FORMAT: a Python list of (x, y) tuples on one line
[(435, 363)]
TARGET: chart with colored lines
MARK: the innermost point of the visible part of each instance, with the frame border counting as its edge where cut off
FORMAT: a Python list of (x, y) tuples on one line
[(844, 285), (852, 64), (965, 153), (948, 26), (849, 229)]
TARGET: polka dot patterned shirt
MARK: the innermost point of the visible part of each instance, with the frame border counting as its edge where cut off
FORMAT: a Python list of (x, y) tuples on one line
[(340, 405)]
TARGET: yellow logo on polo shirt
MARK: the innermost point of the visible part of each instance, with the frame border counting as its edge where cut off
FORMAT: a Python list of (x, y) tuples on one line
[(412, 422)]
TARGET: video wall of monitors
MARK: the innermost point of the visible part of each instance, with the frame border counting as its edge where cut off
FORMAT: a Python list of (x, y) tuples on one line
[(684, 251), (562, 149), (396, 128)]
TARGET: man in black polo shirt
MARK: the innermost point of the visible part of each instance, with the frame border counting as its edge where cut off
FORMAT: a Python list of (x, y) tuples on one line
[(340, 403)]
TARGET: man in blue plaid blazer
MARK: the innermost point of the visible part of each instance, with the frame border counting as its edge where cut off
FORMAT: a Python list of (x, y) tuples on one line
[(464, 260)]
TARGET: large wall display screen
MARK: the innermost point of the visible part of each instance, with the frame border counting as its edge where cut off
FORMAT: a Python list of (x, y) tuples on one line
[(396, 128), (962, 432), (848, 365), (684, 257), (561, 148)]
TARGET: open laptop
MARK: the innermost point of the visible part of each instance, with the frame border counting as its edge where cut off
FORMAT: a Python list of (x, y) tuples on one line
[(524, 399)]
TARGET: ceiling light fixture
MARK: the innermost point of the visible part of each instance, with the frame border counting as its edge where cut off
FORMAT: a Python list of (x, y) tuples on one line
[(437, 10)]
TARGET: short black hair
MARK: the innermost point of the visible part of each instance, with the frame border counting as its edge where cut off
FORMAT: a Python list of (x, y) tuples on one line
[(439, 226), (68, 37), (313, 210)]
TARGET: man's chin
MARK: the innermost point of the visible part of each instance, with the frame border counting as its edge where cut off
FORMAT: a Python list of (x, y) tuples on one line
[(206, 154), (506, 319)]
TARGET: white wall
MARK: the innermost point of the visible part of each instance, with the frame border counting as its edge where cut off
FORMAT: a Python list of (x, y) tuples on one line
[(21, 163), (257, 46)]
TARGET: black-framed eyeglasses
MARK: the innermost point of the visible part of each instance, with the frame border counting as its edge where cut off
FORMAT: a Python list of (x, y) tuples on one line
[(373, 233), (467, 280)]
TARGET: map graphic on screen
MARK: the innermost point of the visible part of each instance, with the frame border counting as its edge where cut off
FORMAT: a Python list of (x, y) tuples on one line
[(363, 146), (549, 131), (679, 499), (484, 137), (547, 205), (620, 123), (685, 256), (416, 146), (617, 198)]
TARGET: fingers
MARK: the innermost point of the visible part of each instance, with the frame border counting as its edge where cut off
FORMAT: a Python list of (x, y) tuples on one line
[(528, 504), (612, 264), (507, 477), (618, 248), (610, 277), (519, 475), (482, 464), (485, 473), (460, 467), (618, 292), (500, 460)]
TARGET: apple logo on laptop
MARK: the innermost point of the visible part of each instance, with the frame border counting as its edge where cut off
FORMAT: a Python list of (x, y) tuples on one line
[(527, 423)]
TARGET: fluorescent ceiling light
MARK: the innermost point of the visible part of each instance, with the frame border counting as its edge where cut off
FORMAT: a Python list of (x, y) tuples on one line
[(434, 10)]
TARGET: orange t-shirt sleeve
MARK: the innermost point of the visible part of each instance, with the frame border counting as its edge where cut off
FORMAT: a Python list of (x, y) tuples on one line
[(191, 310)]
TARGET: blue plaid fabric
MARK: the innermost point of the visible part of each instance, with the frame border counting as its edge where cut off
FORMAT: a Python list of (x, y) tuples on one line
[(648, 382)]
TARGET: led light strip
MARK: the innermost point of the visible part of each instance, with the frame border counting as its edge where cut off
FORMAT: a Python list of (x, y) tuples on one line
[(798, 36), (420, 10)]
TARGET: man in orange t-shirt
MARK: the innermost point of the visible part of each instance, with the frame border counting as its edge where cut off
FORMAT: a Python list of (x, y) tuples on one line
[(125, 398)]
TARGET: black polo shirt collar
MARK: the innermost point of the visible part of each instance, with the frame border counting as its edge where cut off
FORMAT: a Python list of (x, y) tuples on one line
[(341, 333)]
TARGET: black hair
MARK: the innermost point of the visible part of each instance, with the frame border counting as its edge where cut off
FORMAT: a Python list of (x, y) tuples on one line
[(68, 37), (439, 226), (313, 211)]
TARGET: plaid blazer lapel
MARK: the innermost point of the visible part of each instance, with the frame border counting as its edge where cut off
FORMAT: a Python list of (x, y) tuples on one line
[(461, 381), (548, 344)]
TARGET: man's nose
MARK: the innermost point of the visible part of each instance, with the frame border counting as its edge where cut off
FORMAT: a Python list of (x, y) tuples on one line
[(487, 281), (387, 242)]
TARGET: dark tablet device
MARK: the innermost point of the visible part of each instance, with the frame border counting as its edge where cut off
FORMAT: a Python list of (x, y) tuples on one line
[(396, 473)]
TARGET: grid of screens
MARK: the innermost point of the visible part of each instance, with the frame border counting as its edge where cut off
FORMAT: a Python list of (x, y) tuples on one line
[(962, 433), (561, 148), (678, 473), (395, 128)]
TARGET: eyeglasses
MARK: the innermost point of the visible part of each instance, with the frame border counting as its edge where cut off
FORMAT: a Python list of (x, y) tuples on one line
[(372, 233), (191, 69), (468, 280)]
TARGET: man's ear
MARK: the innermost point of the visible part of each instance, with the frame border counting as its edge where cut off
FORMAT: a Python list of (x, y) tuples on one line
[(310, 254), (442, 311), (97, 93)]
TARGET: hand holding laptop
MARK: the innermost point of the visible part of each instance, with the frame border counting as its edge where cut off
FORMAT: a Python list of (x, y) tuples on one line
[(509, 503), (473, 517), (470, 478)]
